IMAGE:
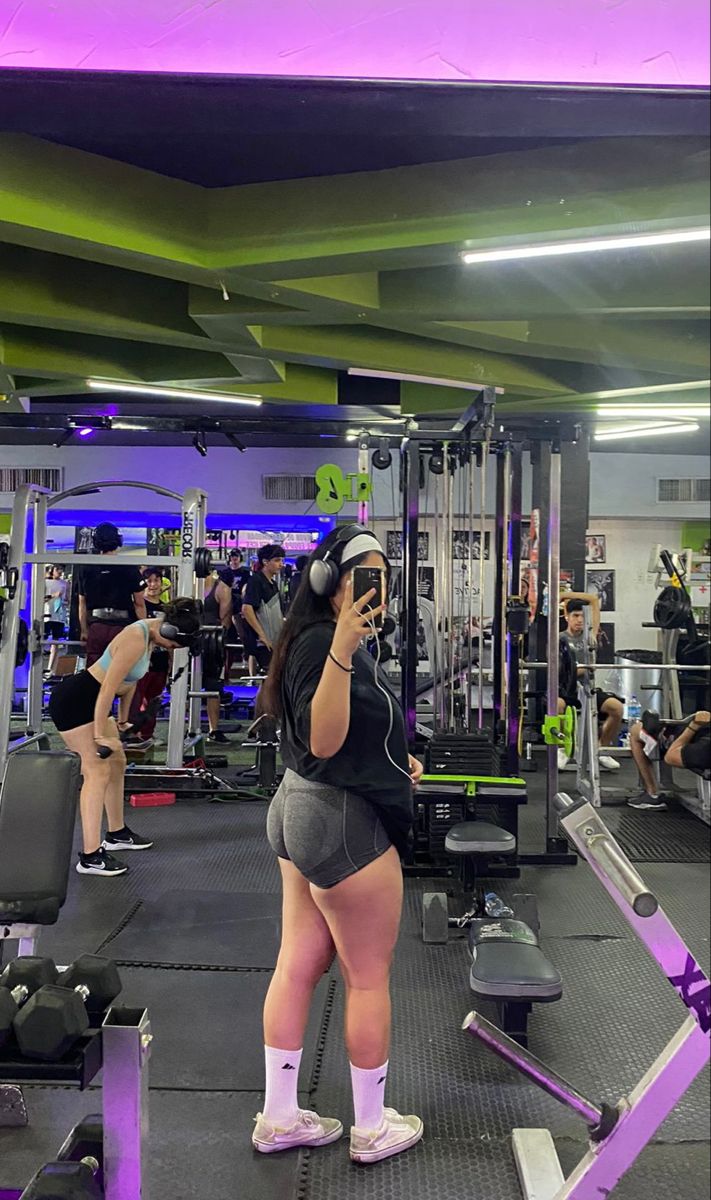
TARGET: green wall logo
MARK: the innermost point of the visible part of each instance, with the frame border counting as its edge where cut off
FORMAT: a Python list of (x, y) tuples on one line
[(336, 489)]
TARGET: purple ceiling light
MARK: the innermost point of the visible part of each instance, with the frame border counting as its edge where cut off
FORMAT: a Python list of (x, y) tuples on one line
[(649, 42)]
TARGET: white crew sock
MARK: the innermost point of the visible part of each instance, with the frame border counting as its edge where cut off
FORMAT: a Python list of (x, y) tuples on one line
[(368, 1094), (281, 1105)]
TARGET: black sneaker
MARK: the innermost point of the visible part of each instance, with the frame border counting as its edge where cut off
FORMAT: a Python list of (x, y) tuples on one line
[(100, 863), (137, 743), (125, 839), (644, 801), (217, 738)]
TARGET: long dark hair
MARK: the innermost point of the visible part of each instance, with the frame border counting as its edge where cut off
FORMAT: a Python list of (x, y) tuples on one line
[(306, 609)]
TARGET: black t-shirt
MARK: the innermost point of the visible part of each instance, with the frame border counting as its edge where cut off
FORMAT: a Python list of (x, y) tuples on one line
[(265, 599), (361, 765), (112, 586), (241, 577)]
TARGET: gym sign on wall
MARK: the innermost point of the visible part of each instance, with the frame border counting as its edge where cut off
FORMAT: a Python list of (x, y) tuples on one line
[(336, 489)]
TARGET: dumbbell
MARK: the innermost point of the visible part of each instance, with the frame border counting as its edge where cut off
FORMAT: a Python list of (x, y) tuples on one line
[(65, 1181), (18, 982), (58, 1016)]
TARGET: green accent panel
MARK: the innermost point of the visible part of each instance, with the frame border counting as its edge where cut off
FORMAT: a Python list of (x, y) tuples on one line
[(576, 402), (52, 291), (676, 349), (359, 289), (603, 185), (424, 399), (695, 534), (643, 285), (376, 349), (38, 352), (5, 522), (60, 198)]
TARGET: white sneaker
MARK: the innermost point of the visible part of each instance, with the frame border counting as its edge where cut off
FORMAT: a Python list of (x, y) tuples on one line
[(608, 763), (309, 1129), (565, 763), (394, 1135)]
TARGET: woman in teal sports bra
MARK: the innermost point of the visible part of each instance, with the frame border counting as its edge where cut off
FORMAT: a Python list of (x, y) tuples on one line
[(80, 706)]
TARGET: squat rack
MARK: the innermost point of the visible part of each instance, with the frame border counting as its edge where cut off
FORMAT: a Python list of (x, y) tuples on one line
[(27, 557)]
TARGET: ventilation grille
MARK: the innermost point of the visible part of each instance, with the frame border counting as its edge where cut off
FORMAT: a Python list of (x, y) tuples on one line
[(679, 491), (288, 487), (11, 478)]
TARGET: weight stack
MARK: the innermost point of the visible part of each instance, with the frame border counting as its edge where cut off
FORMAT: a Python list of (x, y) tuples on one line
[(463, 754)]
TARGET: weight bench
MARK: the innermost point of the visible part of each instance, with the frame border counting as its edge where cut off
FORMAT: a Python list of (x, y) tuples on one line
[(38, 804), (508, 966)]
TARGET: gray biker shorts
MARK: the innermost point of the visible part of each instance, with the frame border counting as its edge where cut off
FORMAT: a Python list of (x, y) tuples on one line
[(327, 832)]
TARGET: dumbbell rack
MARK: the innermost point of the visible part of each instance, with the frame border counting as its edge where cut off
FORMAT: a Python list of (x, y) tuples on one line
[(121, 1048)]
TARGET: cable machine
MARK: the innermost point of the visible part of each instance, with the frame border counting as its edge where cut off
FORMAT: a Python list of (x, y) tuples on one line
[(27, 557)]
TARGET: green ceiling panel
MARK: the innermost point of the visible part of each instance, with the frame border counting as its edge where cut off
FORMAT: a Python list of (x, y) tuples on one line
[(110, 270)]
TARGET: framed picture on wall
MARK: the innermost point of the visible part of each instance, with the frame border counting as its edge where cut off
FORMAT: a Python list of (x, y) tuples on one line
[(567, 580), (525, 541), (425, 582), (393, 545), (603, 582), (606, 642), (596, 548), (460, 544)]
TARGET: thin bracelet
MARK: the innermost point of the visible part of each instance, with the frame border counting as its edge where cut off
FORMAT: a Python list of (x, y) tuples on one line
[(348, 670)]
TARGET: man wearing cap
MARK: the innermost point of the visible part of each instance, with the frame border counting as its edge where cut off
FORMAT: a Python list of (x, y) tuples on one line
[(110, 597), (261, 609)]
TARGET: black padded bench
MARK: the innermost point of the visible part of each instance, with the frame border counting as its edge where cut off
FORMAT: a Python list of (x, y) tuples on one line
[(38, 804)]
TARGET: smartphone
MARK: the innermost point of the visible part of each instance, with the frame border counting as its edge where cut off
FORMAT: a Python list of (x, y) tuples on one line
[(364, 580)]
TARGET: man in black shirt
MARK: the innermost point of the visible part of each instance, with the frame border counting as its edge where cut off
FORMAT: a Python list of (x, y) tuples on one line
[(235, 635), (261, 608), (218, 611), (110, 597)]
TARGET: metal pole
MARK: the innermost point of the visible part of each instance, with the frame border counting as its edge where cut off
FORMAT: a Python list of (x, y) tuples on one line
[(37, 590), (192, 523), (553, 638), (513, 644), (437, 654), (198, 586), (363, 469), (530, 1066), (482, 572), (23, 502), (411, 458), (470, 572), (450, 586), (126, 1038), (503, 505)]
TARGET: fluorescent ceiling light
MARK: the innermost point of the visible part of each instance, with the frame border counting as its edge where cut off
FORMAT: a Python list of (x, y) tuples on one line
[(654, 410), (637, 431), (694, 385), (431, 379), (144, 389), (584, 246)]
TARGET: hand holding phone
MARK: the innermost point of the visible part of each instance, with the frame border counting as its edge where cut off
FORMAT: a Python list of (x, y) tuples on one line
[(365, 581)]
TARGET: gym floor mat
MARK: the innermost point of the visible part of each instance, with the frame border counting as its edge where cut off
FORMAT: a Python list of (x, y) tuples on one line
[(207, 1026), (212, 1161), (212, 929), (671, 836)]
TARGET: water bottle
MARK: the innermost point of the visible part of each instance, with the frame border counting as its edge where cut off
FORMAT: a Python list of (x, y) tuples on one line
[(634, 711), (495, 907)]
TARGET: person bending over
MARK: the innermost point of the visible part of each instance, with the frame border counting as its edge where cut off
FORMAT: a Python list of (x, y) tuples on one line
[(689, 747), (261, 608), (80, 707), (218, 611), (338, 823), (610, 708), (110, 597)]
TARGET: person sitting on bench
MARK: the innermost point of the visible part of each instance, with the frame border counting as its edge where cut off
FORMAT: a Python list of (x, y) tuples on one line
[(610, 708), (688, 746), (80, 706)]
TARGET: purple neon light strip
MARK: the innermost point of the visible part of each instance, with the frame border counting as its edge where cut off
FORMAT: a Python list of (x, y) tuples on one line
[(649, 42)]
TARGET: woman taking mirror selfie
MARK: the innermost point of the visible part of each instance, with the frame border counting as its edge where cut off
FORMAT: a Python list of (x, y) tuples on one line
[(339, 824)]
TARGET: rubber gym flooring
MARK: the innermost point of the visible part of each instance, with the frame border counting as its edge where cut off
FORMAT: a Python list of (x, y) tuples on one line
[(195, 929)]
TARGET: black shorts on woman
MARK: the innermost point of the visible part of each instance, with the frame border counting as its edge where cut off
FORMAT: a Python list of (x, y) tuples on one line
[(340, 813)]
